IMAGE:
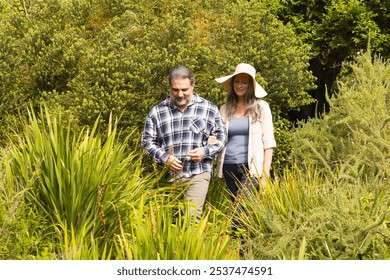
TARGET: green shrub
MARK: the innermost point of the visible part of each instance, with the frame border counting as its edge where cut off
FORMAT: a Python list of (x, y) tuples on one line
[(352, 140), (94, 58), (306, 215)]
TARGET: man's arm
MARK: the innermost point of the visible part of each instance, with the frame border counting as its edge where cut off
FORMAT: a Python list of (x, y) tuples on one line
[(149, 141)]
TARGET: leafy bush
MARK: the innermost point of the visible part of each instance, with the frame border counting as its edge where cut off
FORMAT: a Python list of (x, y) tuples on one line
[(352, 141), (306, 216)]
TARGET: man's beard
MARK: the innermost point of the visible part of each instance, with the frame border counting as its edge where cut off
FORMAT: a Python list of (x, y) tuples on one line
[(180, 101)]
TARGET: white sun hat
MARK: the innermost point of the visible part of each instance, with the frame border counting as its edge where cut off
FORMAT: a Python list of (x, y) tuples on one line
[(243, 68)]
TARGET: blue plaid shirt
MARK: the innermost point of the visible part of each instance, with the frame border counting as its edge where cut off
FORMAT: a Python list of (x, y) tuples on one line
[(167, 131)]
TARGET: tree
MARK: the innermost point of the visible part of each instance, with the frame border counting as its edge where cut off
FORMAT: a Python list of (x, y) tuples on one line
[(100, 57), (336, 30)]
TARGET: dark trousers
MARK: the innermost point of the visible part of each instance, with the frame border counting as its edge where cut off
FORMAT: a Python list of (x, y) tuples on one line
[(237, 179), (239, 182)]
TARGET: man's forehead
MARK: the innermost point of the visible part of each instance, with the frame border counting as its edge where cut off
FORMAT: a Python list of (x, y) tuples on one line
[(181, 83)]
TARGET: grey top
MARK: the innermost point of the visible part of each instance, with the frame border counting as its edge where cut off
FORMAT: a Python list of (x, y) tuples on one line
[(238, 137)]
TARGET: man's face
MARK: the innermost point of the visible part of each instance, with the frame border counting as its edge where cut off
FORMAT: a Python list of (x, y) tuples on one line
[(181, 92)]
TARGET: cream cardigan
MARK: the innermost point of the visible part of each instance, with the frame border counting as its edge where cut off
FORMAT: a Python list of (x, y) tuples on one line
[(261, 137)]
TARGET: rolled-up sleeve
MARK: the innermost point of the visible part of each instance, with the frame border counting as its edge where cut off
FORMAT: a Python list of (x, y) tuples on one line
[(149, 140)]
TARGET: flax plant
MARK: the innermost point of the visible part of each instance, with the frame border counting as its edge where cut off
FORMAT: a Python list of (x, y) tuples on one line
[(162, 229), (78, 182)]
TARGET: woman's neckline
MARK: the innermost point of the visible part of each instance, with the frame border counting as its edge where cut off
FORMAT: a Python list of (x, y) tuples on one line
[(240, 117)]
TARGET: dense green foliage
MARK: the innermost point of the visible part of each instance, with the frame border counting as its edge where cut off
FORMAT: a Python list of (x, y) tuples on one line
[(73, 183), (308, 215), (77, 195), (336, 31), (353, 139), (95, 57)]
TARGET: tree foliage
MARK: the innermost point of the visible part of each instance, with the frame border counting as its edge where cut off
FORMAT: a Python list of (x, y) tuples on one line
[(96, 57), (353, 139), (336, 31)]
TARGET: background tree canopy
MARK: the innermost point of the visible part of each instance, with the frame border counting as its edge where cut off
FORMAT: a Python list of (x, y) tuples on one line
[(336, 30), (97, 57)]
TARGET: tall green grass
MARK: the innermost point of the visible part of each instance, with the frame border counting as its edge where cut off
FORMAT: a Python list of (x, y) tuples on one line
[(23, 231), (308, 217), (90, 199), (164, 230), (76, 182)]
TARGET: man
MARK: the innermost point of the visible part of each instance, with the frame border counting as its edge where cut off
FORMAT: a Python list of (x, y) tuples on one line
[(176, 132)]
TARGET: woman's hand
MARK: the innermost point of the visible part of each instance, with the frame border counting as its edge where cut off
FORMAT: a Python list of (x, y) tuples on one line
[(212, 139)]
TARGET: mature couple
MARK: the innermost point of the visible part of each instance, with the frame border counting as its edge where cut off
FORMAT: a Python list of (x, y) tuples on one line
[(186, 132)]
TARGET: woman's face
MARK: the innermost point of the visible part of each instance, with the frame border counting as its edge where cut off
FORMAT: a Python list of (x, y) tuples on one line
[(241, 84)]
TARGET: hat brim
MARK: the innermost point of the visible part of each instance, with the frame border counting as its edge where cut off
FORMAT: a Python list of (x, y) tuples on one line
[(225, 84)]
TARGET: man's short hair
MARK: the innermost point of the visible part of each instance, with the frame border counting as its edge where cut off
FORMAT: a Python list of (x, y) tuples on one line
[(181, 72)]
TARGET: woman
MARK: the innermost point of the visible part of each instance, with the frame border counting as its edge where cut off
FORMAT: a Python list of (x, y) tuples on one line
[(248, 120)]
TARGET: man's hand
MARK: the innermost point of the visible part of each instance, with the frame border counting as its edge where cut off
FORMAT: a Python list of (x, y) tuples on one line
[(174, 164), (196, 155)]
